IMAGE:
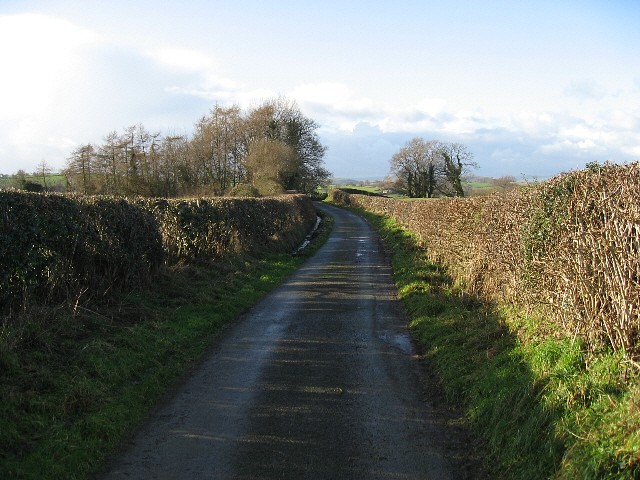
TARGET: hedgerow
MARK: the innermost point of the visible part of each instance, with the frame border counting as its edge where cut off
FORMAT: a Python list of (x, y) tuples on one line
[(527, 306), (56, 247), (568, 248)]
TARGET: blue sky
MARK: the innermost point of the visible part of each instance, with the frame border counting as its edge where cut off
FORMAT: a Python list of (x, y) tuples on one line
[(532, 88)]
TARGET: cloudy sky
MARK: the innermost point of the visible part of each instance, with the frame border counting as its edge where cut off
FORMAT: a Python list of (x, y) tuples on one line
[(532, 88)]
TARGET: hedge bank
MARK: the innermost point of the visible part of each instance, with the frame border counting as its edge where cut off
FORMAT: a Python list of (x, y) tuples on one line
[(546, 365), (54, 248), (568, 248)]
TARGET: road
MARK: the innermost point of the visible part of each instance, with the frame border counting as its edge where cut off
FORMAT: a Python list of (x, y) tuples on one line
[(320, 380)]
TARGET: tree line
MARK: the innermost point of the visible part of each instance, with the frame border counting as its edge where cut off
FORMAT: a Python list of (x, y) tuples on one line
[(426, 169), (266, 150)]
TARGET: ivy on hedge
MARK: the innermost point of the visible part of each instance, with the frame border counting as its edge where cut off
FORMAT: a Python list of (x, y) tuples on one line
[(52, 246)]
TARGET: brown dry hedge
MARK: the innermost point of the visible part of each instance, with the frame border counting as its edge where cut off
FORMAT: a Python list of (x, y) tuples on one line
[(568, 248)]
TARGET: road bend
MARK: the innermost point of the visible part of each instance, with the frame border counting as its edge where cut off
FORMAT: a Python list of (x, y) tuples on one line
[(319, 380)]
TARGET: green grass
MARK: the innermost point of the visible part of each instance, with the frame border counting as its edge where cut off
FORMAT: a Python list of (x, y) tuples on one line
[(480, 188), (54, 181), (75, 384), (542, 405), (475, 188), (364, 188)]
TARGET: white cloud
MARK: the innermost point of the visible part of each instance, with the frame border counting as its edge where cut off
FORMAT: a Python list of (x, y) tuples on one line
[(534, 123), (199, 73), (223, 93), (585, 90), (201, 76), (187, 60), (431, 106), (524, 142), (328, 93), (334, 105), (39, 56), (633, 151), (63, 85), (336, 96), (36, 55)]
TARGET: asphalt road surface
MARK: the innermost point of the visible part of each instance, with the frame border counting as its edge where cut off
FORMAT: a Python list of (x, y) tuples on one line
[(320, 380)]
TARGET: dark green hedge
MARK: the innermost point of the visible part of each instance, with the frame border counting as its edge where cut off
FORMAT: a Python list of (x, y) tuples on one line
[(53, 247)]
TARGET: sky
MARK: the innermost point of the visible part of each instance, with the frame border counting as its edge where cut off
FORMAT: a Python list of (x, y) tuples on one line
[(531, 88)]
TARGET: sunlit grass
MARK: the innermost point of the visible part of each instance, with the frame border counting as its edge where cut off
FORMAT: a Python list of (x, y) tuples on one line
[(542, 404)]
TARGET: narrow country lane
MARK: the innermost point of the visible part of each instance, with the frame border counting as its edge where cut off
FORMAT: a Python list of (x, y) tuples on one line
[(318, 381)]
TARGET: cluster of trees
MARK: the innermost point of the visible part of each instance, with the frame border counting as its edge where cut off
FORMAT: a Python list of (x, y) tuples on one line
[(431, 168), (266, 150)]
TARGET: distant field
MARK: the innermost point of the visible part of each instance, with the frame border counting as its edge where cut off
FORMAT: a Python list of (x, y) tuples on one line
[(480, 188), (474, 187), (364, 188), (6, 181), (56, 181)]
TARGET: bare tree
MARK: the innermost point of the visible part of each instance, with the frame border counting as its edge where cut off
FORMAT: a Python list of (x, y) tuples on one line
[(505, 183), (269, 164), (416, 165), (175, 170), (42, 170), (428, 168), (456, 161), (111, 164), (79, 168), (212, 161), (219, 148), (282, 120)]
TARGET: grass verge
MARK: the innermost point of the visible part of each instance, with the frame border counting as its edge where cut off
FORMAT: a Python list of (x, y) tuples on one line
[(542, 405), (77, 380)]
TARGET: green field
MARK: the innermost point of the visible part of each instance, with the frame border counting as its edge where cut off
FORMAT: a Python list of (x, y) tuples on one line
[(474, 188), (55, 181), (364, 188)]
